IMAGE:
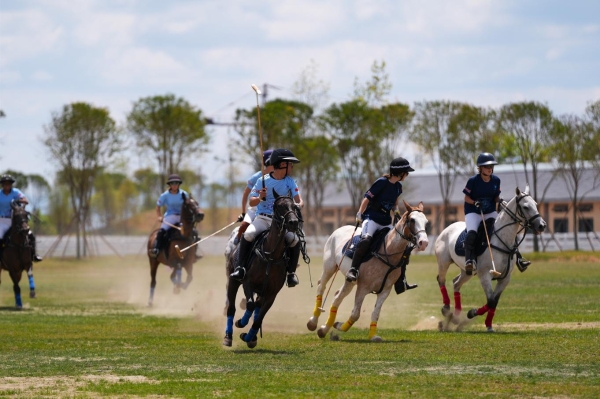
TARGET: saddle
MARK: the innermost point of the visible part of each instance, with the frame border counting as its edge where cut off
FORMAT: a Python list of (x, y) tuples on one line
[(373, 248), (175, 235), (256, 249), (480, 242)]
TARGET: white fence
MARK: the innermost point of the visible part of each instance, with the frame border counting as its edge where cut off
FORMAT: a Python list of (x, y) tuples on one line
[(136, 245)]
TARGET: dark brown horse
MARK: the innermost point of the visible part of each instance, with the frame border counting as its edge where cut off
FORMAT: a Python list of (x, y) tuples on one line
[(266, 273), (17, 255), (190, 215)]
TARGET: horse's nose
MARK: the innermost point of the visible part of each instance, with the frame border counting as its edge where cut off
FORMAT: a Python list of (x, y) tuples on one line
[(542, 226), (423, 242), (293, 225)]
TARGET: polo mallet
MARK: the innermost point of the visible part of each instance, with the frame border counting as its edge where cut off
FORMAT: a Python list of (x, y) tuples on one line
[(171, 225), (322, 308), (493, 272), (262, 164), (180, 251)]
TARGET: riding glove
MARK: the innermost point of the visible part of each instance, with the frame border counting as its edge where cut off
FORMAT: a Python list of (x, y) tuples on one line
[(359, 217)]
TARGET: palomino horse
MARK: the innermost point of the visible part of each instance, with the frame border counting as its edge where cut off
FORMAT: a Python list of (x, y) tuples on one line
[(190, 215), (17, 253), (377, 275), (266, 272), (518, 214)]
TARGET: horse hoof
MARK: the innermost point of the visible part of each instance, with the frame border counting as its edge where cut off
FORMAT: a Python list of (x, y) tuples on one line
[(228, 340), (490, 329), (149, 304), (32, 294), (377, 338), (441, 326), (322, 332), (239, 324), (250, 344), (312, 324), (445, 310), (176, 290), (338, 325), (334, 337), (472, 313)]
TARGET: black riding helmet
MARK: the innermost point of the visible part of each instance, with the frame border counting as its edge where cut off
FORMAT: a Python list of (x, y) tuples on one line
[(282, 155), (267, 157), (485, 158), (174, 178), (400, 165), (7, 178)]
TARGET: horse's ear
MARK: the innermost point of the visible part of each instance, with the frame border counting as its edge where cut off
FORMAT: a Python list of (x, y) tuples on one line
[(183, 196), (408, 207), (275, 194), (526, 189), (421, 206), (518, 191)]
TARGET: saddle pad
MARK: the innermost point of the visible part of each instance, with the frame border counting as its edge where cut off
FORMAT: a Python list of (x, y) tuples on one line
[(480, 242), (375, 244), (255, 245)]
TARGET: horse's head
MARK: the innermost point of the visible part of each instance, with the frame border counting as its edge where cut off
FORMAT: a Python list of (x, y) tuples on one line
[(414, 223), (20, 218), (190, 210), (284, 212), (525, 211)]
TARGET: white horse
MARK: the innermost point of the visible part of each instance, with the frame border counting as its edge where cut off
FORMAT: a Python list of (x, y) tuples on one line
[(518, 214), (375, 275)]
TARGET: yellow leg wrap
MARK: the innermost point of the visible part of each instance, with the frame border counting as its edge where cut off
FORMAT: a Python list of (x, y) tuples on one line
[(332, 315), (316, 311), (373, 329), (346, 326)]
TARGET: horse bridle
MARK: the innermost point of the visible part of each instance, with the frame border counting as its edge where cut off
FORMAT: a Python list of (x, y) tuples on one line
[(411, 236), (193, 213), (280, 220), (520, 216)]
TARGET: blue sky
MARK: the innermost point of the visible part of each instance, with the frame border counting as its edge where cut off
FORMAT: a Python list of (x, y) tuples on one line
[(113, 52)]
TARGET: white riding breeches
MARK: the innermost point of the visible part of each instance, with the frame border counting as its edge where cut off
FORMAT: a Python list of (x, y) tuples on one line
[(369, 228), (4, 226), (173, 219), (262, 223), (473, 219), (250, 214)]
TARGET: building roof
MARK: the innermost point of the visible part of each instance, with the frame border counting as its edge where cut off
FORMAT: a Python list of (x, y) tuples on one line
[(424, 186)]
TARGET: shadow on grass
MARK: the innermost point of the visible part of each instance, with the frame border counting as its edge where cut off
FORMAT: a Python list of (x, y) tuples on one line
[(385, 341), (263, 351), (14, 309)]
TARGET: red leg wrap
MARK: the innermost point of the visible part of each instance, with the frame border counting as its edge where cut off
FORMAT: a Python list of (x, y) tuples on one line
[(489, 317), (457, 304), (482, 310), (445, 296)]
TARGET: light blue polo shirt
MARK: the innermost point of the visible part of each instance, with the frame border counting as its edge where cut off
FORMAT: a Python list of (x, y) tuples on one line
[(173, 202), (5, 200), (285, 186)]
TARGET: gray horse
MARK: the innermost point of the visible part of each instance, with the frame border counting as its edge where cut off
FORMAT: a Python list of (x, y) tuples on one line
[(518, 214)]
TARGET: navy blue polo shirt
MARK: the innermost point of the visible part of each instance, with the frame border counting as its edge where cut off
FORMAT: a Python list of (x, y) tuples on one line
[(382, 197), (484, 192)]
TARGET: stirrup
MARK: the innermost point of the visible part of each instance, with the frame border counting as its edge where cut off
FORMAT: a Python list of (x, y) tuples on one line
[(352, 275), (238, 274), (470, 267), (37, 258), (523, 264), (292, 280), (153, 253)]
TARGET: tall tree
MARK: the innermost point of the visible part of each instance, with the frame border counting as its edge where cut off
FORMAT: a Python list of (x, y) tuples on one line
[(81, 139), (574, 144), (150, 185), (170, 128), (439, 130)]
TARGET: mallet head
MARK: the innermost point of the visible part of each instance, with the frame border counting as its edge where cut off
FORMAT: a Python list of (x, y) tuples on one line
[(256, 89), (178, 251), (495, 273)]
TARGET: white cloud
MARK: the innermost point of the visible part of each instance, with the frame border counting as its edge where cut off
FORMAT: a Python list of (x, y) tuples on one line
[(41, 76)]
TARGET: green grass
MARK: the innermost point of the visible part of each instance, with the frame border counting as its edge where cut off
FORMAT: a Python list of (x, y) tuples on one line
[(89, 334)]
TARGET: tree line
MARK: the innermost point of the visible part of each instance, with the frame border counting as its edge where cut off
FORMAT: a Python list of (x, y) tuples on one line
[(349, 143)]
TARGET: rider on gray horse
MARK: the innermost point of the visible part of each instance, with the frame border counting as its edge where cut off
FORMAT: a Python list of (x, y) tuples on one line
[(7, 196), (262, 197), (374, 210), (482, 193)]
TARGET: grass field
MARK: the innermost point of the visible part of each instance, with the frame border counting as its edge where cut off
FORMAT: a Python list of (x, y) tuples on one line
[(89, 334)]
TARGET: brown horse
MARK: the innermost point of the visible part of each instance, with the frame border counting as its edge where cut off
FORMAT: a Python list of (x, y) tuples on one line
[(266, 273), (17, 255), (190, 215)]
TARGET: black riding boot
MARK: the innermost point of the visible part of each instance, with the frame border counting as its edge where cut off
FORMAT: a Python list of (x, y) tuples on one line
[(522, 263), (470, 263), (292, 279), (245, 248), (158, 243), (35, 257), (361, 250)]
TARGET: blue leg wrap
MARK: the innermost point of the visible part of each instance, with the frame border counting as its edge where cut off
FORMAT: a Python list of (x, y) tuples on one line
[(245, 318), (31, 283), (18, 300), (151, 292), (256, 313), (251, 335), (229, 327), (178, 276)]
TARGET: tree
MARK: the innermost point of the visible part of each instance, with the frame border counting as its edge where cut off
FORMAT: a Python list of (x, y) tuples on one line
[(150, 185), (81, 139), (573, 144), (439, 130), (170, 128), (309, 90)]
